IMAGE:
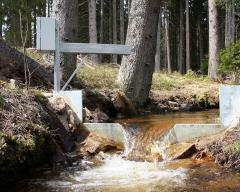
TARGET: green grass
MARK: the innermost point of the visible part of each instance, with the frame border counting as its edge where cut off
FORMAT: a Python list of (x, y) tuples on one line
[(166, 81), (98, 77), (104, 77)]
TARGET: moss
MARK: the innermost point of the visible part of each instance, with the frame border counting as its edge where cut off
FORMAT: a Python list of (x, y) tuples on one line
[(40, 98), (18, 155)]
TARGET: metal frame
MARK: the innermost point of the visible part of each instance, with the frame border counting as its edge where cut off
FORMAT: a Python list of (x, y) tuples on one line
[(85, 48)]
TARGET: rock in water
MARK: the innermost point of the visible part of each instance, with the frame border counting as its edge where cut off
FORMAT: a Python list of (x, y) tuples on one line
[(94, 144), (180, 151)]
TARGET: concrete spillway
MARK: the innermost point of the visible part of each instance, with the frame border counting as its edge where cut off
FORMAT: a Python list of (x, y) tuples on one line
[(229, 115)]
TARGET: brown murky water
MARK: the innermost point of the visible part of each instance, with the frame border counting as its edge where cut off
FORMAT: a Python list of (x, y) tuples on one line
[(117, 174), (145, 130)]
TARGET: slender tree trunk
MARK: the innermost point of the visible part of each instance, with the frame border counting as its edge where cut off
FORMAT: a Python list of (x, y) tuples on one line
[(34, 28), (122, 27), (135, 75), (92, 27), (129, 5), (65, 12), (200, 42), (229, 22), (1, 18), (169, 67), (114, 27), (214, 44), (158, 49), (101, 25), (188, 54), (110, 28), (181, 38)]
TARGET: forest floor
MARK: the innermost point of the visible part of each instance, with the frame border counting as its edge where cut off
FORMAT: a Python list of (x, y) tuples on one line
[(22, 132), (169, 93), (224, 148)]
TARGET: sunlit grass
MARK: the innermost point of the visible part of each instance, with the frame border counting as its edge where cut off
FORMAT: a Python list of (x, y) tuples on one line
[(105, 76), (232, 149), (98, 77)]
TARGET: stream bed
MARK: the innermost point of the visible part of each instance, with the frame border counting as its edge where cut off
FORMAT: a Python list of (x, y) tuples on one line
[(116, 173)]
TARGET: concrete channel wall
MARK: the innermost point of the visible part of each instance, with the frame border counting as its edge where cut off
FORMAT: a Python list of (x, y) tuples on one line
[(179, 133), (229, 105), (229, 115), (187, 132), (113, 131)]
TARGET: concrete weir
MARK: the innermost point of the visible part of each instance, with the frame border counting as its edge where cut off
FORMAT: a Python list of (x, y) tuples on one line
[(113, 131), (229, 115)]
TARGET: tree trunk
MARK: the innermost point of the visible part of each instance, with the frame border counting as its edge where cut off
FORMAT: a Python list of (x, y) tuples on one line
[(188, 55), (1, 18), (229, 22), (101, 25), (214, 44), (135, 75), (92, 26), (181, 38), (158, 48), (65, 12), (200, 42), (114, 27), (122, 27), (169, 67), (129, 6), (110, 28)]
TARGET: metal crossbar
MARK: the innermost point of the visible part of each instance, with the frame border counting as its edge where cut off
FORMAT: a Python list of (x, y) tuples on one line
[(48, 39)]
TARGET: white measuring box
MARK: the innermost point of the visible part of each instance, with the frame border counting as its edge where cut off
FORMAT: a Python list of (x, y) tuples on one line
[(46, 34)]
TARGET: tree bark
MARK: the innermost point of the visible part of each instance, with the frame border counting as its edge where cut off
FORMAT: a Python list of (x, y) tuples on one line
[(135, 75), (114, 27), (214, 44), (229, 22), (181, 38), (188, 54), (122, 27), (92, 26), (169, 67), (158, 48), (101, 24), (65, 12)]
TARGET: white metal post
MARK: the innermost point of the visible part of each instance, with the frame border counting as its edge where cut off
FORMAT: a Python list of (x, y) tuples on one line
[(57, 62)]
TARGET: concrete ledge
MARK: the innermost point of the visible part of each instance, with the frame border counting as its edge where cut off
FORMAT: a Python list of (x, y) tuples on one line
[(74, 100), (188, 132), (229, 105), (113, 131)]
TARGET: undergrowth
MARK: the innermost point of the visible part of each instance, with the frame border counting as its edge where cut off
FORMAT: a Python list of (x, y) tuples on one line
[(105, 76), (232, 149)]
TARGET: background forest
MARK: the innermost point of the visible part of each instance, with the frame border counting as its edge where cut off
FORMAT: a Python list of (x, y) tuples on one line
[(182, 42)]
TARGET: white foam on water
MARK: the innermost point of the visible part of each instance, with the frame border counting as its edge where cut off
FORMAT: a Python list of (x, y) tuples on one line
[(119, 172)]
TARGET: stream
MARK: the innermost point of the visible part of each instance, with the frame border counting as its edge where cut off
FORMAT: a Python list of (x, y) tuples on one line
[(116, 173)]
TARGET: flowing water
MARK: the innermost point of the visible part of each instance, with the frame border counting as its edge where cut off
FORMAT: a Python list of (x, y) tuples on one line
[(116, 173), (144, 132)]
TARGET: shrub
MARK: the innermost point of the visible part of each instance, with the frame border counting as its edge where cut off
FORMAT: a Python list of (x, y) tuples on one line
[(232, 149), (229, 59)]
